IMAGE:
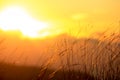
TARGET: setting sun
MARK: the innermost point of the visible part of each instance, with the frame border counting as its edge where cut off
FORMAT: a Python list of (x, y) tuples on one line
[(16, 18), (59, 39)]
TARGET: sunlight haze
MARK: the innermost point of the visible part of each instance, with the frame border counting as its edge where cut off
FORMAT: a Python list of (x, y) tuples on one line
[(65, 16)]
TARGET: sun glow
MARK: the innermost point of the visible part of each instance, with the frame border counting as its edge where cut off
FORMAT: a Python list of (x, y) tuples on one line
[(16, 18)]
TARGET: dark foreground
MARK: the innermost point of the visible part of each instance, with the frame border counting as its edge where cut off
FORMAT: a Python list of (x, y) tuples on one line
[(13, 72)]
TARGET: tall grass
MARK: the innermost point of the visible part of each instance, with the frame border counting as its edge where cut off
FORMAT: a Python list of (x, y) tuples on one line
[(83, 59), (86, 60)]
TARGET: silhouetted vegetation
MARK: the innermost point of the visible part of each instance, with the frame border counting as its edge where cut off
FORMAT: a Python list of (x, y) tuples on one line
[(73, 59)]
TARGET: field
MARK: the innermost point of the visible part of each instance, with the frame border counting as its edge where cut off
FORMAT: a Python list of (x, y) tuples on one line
[(71, 59), (67, 58), (59, 39)]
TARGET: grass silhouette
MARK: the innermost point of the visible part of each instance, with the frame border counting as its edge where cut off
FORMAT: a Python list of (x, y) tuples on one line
[(73, 59)]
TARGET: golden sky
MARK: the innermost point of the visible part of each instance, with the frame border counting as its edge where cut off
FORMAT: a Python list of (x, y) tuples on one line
[(72, 15), (62, 16)]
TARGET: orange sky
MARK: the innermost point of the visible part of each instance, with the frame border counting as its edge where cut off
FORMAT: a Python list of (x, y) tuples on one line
[(73, 15), (63, 16)]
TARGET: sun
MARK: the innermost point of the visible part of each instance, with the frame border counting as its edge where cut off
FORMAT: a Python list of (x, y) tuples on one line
[(16, 18)]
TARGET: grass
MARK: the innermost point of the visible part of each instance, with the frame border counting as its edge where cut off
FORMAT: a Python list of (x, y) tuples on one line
[(74, 59), (95, 59)]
